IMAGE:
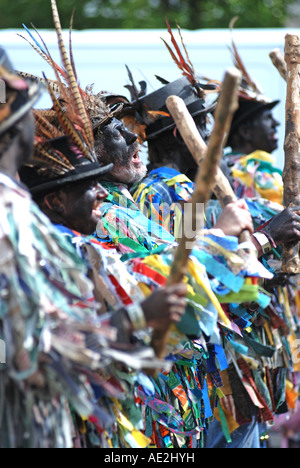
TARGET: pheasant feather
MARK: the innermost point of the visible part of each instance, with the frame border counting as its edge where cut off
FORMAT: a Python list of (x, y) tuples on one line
[(55, 86), (37, 49), (44, 127), (69, 128), (37, 44), (70, 45), (185, 65), (248, 84), (87, 127), (58, 71), (68, 116), (44, 155), (190, 65), (45, 54)]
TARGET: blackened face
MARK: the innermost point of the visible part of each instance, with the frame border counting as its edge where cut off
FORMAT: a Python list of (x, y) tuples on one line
[(263, 132), (80, 203), (118, 145)]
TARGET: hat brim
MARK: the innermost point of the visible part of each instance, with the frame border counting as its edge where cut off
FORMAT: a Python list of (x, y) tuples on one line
[(167, 123), (156, 101), (73, 177)]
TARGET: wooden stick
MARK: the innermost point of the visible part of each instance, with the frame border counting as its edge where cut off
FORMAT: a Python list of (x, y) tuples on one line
[(278, 61), (197, 147), (205, 180), (290, 257)]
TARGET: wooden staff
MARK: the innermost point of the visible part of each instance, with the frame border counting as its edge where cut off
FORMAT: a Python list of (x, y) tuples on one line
[(290, 257), (198, 149), (278, 61), (206, 176)]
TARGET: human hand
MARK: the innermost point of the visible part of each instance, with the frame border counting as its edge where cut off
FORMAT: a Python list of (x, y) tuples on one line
[(235, 218), (284, 227), (165, 306)]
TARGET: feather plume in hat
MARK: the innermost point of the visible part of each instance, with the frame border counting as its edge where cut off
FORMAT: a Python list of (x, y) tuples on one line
[(138, 115), (249, 88), (64, 149), (252, 100), (68, 116), (186, 66), (96, 104)]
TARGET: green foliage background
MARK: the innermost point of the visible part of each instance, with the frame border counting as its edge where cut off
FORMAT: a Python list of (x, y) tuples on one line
[(135, 14)]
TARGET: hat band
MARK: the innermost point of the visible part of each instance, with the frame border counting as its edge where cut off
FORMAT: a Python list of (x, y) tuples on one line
[(86, 172), (165, 123)]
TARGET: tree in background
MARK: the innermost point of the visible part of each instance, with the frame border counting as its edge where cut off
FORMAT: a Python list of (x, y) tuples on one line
[(134, 14)]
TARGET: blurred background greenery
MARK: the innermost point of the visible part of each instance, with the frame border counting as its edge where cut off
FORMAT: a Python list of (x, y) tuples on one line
[(144, 14)]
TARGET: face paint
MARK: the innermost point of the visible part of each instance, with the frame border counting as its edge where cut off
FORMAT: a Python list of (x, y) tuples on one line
[(118, 145), (263, 135), (80, 203)]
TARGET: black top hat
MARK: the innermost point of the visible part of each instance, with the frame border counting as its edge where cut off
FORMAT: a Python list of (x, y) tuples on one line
[(156, 102), (25, 94), (247, 109), (43, 179)]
